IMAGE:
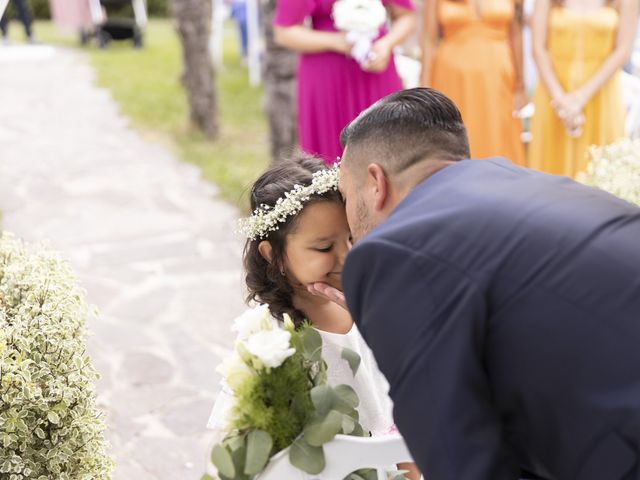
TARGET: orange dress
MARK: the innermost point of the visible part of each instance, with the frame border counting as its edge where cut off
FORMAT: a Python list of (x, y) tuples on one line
[(474, 67)]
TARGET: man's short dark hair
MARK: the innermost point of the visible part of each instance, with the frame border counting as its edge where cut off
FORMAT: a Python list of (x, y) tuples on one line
[(407, 127)]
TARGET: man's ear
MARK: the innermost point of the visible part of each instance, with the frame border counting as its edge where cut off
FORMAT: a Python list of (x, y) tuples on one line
[(266, 250), (379, 183)]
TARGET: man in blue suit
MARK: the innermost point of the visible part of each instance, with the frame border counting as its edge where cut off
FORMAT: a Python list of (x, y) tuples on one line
[(501, 303)]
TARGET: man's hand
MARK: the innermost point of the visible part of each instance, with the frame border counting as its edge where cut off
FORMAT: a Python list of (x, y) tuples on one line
[(327, 291)]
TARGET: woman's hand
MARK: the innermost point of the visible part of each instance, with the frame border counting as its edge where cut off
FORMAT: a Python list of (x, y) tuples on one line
[(520, 100), (568, 108), (574, 125), (328, 292), (340, 44), (379, 56)]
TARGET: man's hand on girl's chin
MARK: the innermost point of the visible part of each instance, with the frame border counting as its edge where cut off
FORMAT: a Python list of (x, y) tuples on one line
[(327, 291)]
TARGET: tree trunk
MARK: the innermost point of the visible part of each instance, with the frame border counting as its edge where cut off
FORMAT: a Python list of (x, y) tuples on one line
[(193, 20), (279, 73)]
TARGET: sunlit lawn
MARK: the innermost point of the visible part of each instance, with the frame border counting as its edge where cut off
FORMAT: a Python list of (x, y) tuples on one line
[(146, 85)]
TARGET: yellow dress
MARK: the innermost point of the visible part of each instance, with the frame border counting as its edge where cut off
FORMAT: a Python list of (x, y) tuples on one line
[(578, 44), (474, 67)]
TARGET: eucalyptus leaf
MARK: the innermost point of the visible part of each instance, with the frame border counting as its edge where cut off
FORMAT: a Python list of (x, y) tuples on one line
[(221, 458), (206, 476), (352, 358), (236, 443), (312, 344), (348, 424), (320, 376), (347, 395), (307, 458), (239, 457), (363, 474), (353, 476), (259, 445), (358, 431), (323, 430), (323, 398)]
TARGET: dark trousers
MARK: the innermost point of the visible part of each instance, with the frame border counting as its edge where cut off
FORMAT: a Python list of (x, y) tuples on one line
[(23, 13)]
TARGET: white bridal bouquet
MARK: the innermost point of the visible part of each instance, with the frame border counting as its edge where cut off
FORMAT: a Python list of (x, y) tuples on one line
[(361, 20), (616, 169), (282, 399)]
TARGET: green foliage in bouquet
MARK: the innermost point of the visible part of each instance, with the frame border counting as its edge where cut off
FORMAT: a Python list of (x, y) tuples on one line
[(50, 427), (289, 404), (616, 169), (276, 402)]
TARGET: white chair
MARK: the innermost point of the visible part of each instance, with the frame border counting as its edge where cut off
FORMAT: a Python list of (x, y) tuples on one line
[(631, 88), (343, 455)]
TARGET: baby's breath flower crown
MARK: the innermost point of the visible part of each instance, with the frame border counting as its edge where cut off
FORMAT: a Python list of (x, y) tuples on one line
[(267, 218)]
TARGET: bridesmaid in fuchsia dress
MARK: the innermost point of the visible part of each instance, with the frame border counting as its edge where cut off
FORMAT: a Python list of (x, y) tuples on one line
[(333, 88)]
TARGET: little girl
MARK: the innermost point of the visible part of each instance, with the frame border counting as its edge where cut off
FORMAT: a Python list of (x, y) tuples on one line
[(305, 245)]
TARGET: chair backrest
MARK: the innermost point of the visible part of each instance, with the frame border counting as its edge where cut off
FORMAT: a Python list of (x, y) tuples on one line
[(343, 455)]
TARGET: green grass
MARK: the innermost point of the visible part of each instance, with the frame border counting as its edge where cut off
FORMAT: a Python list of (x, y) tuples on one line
[(146, 85)]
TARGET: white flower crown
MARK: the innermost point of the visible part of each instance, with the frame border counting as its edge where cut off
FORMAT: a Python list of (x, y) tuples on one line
[(265, 218)]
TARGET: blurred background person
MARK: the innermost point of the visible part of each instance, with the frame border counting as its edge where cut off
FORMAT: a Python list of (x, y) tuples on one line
[(580, 47), (472, 52), (22, 9), (238, 11), (333, 88)]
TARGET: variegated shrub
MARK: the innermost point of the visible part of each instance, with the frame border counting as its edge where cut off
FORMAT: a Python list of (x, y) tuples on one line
[(50, 426)]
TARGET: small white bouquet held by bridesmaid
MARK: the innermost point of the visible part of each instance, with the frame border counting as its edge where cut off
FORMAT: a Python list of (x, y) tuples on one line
[(361, 20)]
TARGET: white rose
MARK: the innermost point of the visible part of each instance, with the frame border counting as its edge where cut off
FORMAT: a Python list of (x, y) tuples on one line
[(252, 321), (271, 347), (234, 370), (362, 16)]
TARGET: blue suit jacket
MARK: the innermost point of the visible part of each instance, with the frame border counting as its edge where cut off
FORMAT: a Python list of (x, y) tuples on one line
[(503, 306)]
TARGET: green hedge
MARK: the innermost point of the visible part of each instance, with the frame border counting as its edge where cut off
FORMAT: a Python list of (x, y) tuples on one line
[(50, 425), (40, 8)]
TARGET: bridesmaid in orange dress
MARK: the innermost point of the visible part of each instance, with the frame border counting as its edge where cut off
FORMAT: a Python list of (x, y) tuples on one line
[(473, 54)]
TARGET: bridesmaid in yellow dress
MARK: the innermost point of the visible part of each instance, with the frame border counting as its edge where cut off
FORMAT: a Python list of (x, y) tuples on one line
[(473, 54), (579, 47)]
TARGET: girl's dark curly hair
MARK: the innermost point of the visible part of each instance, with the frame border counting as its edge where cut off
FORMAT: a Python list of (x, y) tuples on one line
[(265, 281)]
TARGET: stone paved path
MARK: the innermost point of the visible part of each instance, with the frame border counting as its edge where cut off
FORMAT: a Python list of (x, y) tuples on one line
[(150, 243)]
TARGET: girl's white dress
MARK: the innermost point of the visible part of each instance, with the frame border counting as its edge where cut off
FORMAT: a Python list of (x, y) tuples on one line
[(375, 407)]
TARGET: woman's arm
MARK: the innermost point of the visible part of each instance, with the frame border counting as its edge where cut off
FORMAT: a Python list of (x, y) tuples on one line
[(515, 43), (539, 32), (430, 35), (305, 40), (403, 23)]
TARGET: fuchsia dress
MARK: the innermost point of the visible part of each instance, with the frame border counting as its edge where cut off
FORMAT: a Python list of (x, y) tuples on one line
[(332, 88)]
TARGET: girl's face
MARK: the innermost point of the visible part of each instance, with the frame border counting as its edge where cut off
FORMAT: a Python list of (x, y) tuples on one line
[(317, 248)]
